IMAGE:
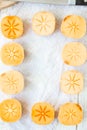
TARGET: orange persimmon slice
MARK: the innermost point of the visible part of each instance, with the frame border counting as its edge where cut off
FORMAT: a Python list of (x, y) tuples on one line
[(70, 114), (71, 82), (74, 54), (73, 26), (12, 54), (43, 23), (10, 110), (12, 27), (42, 113), (11, 82)]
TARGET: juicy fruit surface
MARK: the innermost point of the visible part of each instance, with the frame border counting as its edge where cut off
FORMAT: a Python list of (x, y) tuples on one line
[(43, 23), (11, 82), (10, 110), (12, 54), (74, 54), (42, 113), (70, 114), (12, 27), (73, 26), (72, 82)]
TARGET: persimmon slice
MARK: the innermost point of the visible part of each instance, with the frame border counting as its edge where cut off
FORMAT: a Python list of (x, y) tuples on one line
[(42, 113), (73, 26), (72, 82), (12, 27), (74, 54), (12, 54), (70, 114), (10, 110), (11, 82), (43, 23)]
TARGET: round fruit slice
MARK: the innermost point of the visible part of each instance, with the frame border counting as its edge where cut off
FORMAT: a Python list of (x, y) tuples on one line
[(43, 23), (72, 82), (11, 82), (74, 54), (42, 113), (12, 54), (10, 110), (70, 114), (12, 27), (73, 26)]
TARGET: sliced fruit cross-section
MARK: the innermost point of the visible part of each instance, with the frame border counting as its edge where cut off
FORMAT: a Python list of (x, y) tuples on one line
[(72, 82), (12, 54), (73, 26), (70, 114), (74, 54), (12, 27), (11, 82), (10, 110), (42, 113), (43, 23)]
